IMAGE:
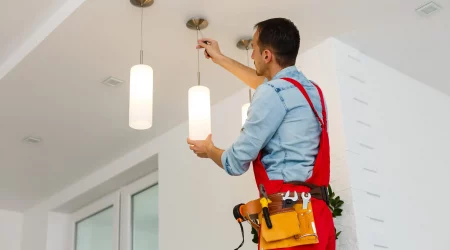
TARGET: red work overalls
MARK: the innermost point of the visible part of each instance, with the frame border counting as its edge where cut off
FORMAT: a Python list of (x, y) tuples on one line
[(320, 177)]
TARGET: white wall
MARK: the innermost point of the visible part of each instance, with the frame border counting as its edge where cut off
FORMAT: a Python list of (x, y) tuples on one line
[(10, 230), (397, 144), (391, 159)]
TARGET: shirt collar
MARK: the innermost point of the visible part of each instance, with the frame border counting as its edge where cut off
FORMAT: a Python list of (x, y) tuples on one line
[(285, 72)]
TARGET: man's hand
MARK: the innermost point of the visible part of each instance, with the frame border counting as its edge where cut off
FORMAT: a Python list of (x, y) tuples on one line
[(201, 148), (244, 73), (206, 149), (211, 47)]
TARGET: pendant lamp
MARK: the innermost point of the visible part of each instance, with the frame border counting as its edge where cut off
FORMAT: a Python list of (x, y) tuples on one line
[(141, 85), (199, 96), (245, 44)]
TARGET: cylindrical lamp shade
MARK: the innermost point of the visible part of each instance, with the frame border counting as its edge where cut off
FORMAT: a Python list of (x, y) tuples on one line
[(244, 112), (199, 113), (141, 97)]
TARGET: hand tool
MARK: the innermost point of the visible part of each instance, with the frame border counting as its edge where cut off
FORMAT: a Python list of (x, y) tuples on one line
[(289, 201), (207, 43), (306, 199), (265, 205)]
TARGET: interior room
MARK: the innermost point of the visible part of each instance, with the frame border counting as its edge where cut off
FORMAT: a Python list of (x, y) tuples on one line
[(84, 165)]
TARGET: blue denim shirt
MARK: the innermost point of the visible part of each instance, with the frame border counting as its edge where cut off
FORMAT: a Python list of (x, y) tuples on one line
[(281, 124)]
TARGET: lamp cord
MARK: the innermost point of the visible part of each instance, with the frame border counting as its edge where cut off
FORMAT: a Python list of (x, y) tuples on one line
[(198, 60), (142, 51), (198, 56)]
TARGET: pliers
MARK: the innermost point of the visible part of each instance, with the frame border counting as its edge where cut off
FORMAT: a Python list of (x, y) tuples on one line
[(265, 205)]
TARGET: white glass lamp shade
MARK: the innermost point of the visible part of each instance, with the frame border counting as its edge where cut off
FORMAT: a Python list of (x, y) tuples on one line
[(244, 112), (199, 113), (141, 97)]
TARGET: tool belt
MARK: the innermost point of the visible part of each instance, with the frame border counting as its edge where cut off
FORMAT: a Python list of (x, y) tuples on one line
[(291, 222)]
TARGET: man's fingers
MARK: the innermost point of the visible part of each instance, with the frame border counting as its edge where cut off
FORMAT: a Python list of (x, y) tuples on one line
[(208, 40), (191, 142), (205, 43), (194, 148), (201, 45)]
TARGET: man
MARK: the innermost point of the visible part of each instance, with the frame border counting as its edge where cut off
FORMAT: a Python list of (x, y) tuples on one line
[(285, 135)]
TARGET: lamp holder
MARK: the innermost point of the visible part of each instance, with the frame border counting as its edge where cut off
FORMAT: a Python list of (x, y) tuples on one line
[(142, 3), (197, 23), (244, 44)]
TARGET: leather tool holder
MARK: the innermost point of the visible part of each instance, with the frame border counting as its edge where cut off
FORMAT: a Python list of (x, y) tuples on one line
[(285, 223), (293, 226)]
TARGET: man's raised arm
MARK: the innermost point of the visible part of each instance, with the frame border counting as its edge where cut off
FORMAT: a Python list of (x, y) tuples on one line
[(244, 73)]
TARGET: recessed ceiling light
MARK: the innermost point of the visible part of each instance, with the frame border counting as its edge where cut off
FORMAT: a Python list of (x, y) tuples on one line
[(32, 139), (112, 81), (428, 9)]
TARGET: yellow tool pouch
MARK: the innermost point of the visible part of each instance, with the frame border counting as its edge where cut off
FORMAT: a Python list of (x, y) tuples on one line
[(290, 227)]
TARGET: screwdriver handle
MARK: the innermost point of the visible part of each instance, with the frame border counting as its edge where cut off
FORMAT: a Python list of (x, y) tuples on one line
[(205, 42)]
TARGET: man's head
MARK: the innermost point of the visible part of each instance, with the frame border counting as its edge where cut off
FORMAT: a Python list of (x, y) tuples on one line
[(275, 45)]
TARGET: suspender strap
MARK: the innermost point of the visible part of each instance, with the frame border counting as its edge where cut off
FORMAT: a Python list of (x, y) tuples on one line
[(323, 122), (324, 112)]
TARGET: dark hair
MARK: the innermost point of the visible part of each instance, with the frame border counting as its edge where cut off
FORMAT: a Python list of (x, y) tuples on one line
[(282, 37)]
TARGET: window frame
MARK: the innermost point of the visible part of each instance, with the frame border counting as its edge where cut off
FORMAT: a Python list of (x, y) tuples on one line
[(120, 200), (126, 220), (111, 200)]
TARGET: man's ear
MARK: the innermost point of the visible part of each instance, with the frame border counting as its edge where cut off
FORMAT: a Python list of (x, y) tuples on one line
[(267, 56)]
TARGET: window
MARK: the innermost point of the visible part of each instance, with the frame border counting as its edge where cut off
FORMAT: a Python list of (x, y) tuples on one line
[(140, 214), (96, 231), (144, 219), (127, 218)]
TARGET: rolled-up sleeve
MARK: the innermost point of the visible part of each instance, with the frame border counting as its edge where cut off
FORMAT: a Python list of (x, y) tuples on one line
[(265, 115)]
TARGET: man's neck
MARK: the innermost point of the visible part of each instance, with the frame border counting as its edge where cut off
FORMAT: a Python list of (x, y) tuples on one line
[(273, 71)]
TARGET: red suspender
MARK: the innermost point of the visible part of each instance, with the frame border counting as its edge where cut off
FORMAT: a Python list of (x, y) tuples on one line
[(302, 89)]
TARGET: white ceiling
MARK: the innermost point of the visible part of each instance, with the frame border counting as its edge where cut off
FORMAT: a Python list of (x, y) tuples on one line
[(19, 19), (55, 92), (414, 45)]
